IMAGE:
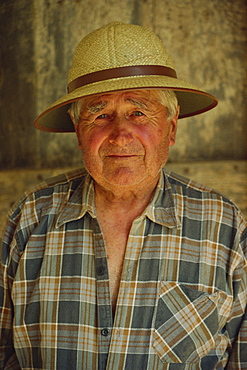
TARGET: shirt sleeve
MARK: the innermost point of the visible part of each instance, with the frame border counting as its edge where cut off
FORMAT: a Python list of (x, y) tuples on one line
[(9, 258), (237, 326)]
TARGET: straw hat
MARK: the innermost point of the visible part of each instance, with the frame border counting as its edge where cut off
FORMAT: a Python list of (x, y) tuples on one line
[(118, 57)]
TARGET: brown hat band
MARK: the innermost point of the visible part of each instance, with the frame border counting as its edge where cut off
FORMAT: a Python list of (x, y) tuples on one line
[(128, 71)]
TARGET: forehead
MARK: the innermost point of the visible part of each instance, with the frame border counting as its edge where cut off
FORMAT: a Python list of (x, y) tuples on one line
[(139, 95)]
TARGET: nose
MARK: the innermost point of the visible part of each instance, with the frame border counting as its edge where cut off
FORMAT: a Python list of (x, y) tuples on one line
[(121, 133)]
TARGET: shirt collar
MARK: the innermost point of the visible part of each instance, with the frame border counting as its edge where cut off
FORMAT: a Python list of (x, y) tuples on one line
[(81, 202), (161, 209)]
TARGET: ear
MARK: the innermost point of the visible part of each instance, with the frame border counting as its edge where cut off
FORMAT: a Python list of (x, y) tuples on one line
[(77, 131), (173, 127)]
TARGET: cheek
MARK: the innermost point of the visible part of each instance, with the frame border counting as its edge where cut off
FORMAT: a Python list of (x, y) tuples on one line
[(151, 139), (157, 148), (91, 143)]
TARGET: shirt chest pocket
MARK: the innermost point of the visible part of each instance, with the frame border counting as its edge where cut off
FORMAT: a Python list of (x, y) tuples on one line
[(185, 324)]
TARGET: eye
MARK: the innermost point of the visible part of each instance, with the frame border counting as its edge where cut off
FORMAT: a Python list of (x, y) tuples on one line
[(102, 116), (137, 113), (138, 117), (103, 119)]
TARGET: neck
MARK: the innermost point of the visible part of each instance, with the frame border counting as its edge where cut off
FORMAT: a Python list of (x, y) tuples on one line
[(119, 199)]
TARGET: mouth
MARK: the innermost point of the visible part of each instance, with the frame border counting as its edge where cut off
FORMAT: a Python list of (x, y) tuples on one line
[(122, 156)]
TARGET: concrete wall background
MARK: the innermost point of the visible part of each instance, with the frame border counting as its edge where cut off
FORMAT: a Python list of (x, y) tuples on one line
[(206, 38)]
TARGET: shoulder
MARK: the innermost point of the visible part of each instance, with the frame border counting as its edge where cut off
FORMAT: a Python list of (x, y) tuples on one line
[(47, 195), (37, 210), (190, 189), (182, 184), (195, 201)]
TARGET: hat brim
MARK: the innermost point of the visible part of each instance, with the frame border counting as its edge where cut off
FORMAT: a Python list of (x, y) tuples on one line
[(191, 99)]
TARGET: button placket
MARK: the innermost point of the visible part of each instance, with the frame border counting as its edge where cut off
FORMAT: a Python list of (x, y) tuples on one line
[(104, 309)]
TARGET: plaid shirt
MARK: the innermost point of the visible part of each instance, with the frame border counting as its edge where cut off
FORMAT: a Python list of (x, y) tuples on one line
[(182, 296)]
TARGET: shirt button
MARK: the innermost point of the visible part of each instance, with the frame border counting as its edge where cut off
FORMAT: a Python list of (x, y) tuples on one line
[(100, 270), (105, 332)]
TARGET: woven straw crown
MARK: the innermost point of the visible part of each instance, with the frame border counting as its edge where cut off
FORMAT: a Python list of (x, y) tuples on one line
[(119, 57)]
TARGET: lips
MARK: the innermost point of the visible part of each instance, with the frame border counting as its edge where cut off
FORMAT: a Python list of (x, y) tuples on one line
[(122, 156), (122, 153)]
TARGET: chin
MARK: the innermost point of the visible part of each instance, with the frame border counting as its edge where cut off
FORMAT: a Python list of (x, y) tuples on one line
[(125, 177), (131, 181), (123, 182)]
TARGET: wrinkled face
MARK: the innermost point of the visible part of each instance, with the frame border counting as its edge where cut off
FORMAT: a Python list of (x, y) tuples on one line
[(125, 137)]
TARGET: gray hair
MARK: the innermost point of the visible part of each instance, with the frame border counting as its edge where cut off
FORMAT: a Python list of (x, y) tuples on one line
[(167, 98)]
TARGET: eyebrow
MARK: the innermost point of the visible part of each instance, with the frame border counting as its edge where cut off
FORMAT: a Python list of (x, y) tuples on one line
[(93, 109), (96, 108), (137, 103)]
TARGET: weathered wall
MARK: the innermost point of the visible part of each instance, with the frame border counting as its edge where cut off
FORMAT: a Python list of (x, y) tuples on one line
[(206, 38)]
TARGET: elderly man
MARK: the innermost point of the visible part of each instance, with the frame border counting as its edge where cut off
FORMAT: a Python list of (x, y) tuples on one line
[(122, 265)]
